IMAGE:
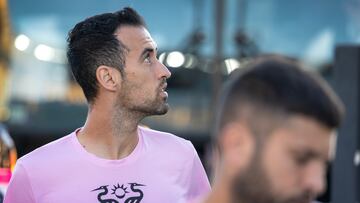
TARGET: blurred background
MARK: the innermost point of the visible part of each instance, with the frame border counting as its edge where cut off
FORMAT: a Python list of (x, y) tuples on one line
[(201, 41)]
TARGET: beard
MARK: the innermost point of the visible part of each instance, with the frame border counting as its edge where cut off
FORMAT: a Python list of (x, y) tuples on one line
[(254, 186), (152, 107), (151, 104)]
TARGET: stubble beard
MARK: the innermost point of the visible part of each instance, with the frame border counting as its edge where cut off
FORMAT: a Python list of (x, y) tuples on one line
[(147, 107), (254, 186)]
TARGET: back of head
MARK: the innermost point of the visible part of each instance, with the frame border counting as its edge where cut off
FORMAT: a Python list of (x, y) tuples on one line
[(92, 43), (273, 87)]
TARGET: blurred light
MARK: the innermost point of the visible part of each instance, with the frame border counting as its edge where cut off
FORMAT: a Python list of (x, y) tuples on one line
[(190, 61), (175, 59), (22, 42), (44, 53), (320, 49), (231, 65), (162, 57), (59, 56), (357, 158)]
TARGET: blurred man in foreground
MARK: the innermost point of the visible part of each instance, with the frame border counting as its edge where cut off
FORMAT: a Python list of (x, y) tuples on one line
[(111, 158), (276, 134)]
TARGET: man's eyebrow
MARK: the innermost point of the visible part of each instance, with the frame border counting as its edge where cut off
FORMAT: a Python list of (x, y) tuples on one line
[(146, 51), (309, 154)]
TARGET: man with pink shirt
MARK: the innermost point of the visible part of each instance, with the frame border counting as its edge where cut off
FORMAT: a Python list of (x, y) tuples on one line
[(111, 158)]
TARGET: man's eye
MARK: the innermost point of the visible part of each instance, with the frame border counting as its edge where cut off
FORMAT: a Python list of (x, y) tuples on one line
[(302, 159), (147, 59)]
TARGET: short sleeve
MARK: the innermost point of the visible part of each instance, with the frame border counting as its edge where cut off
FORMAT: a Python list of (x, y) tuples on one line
[(199, 182), (19, 189)]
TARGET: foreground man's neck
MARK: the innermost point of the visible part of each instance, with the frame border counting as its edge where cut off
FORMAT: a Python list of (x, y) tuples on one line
[(108, 135)]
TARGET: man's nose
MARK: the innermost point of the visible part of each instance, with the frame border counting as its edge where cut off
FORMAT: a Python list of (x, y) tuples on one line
[(314, 178), (164, 71)]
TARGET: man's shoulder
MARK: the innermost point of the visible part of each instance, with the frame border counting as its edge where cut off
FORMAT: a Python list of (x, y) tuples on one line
[(166, 140), (161, 135), (47, 152)]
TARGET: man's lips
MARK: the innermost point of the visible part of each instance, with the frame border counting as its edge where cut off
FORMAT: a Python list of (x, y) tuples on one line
[(163, 87), (163, 90)]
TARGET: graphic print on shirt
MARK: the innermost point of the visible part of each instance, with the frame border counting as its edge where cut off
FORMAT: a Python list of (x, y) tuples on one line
[(135, 195)]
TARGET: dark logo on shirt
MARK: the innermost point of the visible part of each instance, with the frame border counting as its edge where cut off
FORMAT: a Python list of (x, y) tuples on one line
[(117, 193)]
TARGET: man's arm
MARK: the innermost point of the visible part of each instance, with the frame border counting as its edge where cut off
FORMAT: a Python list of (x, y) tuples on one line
[(19, 189)]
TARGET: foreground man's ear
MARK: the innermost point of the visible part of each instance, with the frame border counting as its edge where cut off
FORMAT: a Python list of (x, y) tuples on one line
[(237, 144), (108, 77)]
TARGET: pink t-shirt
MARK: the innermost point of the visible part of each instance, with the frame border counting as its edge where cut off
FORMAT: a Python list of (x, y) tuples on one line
[(162, 168)]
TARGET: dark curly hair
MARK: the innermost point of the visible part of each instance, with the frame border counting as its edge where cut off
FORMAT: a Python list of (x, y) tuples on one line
[(92, 43)]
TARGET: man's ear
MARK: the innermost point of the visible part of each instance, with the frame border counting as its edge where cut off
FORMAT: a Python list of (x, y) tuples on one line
[(108, 77), (237, 145)]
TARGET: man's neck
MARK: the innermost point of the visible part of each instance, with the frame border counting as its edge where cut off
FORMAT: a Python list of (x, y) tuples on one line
[(220, 193), (222, 188), (109, 134)]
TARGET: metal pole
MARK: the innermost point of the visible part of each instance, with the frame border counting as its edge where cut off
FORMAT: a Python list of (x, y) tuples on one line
[(345, 183), (219, 33)]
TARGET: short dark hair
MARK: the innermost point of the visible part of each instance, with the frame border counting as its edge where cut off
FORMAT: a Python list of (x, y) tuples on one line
[(276, 85), (92, 43)]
